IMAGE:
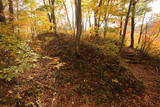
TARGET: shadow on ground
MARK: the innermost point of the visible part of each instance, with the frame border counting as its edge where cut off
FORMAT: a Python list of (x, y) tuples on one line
[(94, 78)]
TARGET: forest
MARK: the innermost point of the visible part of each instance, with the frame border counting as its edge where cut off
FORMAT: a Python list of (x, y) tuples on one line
[(79, 53)]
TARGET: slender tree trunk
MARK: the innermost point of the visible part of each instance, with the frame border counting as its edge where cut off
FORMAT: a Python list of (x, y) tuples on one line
[(73, 21), (121, 25), (78, 19), (145, 39), (49, 16), (106, 25), (106, 17), (18, 26), (96, 19), (141, 30), (52, 16), (69, 22), (2, 16), (11, 11), (85, 24), (133, 24), (95, 25), (90, 23), (11, 14), (125, 26), (89, 19), (99, 18)]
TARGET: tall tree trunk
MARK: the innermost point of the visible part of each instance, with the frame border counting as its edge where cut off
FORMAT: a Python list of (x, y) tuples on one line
[(89, 19), (106, 17), (49, 15), (133, 24), (95, 25), (17, 15), (69, 22), (90, 23), (96, 19), (125, 26), (11, 14), (85, 24), (121, 25), (11, 11), (2, 16), (73, 21), (106, 25), (53, 18), (141, 30), (143, 46), (78, 19)]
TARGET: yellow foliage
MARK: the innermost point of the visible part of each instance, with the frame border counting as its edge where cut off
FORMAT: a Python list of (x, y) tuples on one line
[(115, 81)]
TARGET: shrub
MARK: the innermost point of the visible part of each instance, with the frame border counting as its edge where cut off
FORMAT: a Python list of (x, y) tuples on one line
[(16, 56)]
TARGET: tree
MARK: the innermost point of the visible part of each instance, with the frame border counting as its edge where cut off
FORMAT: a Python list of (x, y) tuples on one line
[(142, 10), (106, 17), (53, 17), (97, 18), (49, 5), (125, 25), (141, 30), (73, 21), (78, 28), (139, 10), (2, 16), (11, 11), (133, 23), (65, 7), (121, 25)]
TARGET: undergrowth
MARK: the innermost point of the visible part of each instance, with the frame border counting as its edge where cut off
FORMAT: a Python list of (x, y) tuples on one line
[(16, 56)]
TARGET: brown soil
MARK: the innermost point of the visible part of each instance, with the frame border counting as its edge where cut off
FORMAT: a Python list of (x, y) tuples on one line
[(146, 70)]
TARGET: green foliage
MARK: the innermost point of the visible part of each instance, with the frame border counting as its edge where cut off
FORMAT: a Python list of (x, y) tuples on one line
[(110, 46), (20, 54)]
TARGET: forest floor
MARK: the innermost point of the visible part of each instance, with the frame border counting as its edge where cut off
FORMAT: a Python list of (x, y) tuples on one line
[(60, 79), (146, 70)]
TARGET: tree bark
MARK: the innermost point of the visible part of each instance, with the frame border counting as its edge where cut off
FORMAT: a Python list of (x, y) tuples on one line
[(89, 19), (85, 24), (106, 17), (106, 25), (125, 26), (49, 15), (73, 21), (96, 19), (121, 25), (53, 18), (141, 30), (11, 11), (69, 22), (78, 30), (17, 11), (2, 16), (133, 24), (145, 39)]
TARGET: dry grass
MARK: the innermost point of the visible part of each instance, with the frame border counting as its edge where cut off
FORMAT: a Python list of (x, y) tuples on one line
[(154, 48)]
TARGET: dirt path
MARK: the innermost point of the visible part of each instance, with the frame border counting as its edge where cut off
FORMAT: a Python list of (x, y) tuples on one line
[(147, 71)]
